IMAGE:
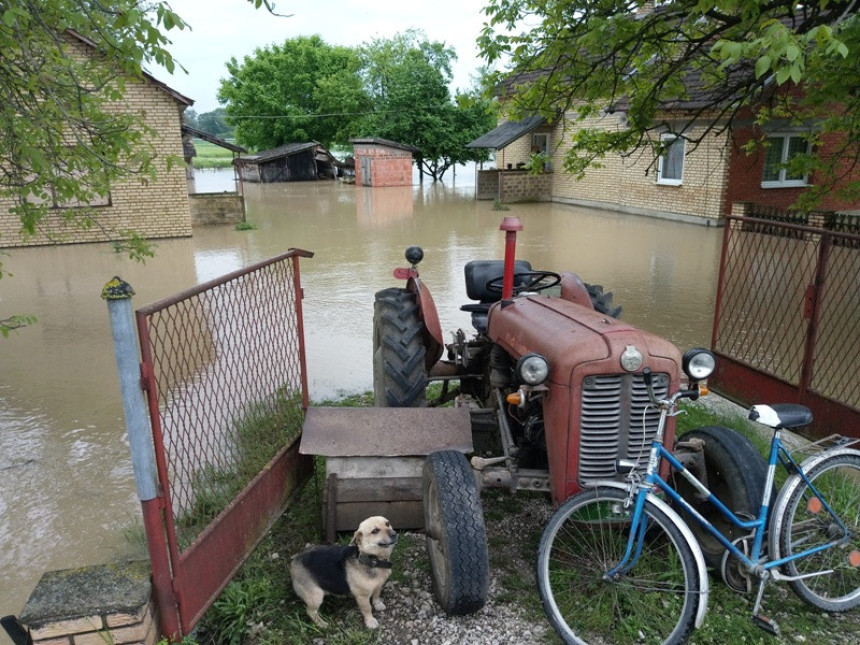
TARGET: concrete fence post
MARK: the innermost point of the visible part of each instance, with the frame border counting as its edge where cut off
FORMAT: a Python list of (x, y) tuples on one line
[(118, 295)]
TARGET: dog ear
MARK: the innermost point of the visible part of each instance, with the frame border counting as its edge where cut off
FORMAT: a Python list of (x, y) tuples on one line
[(356, 539)]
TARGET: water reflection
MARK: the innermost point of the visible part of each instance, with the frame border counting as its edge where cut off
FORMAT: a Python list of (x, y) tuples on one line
[(66, 488)]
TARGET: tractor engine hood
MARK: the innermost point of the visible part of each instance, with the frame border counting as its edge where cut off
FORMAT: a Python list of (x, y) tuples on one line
[(570, 335)]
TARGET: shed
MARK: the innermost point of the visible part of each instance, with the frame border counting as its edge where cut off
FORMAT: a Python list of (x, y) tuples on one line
[(379, 162), (291, 162)]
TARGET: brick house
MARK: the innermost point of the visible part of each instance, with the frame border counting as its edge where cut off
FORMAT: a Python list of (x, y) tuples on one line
[(379, 162), (698, 185), (154, 209)]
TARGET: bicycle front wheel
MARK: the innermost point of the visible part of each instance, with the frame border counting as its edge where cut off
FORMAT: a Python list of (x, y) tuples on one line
[(655, 601), (803, 522)]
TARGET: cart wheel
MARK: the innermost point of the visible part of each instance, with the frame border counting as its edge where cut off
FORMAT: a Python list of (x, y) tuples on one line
[(456, 536)]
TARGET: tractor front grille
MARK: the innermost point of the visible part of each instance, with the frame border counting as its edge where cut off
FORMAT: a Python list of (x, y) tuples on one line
[(617, 421)]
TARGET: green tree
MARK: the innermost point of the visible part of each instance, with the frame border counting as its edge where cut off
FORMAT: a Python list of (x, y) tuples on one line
[(301, 90), (190, 116), (215, 123), (408, 77), (739, 59)]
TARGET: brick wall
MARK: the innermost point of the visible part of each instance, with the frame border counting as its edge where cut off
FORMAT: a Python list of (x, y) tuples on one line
[(487, 184), (629, 184), (389, 166), (110, 603), (521, 186), (208, 209), (155, 209), (747, 169)]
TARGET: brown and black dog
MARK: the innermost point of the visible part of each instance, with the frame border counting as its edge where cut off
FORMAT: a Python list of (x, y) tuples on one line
[(359, 570)]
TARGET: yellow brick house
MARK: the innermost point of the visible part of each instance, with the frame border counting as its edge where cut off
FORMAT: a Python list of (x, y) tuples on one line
[(153, 208), (688, 186)]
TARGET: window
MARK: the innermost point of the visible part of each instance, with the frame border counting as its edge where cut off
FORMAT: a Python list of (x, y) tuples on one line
[(540, 143), (670, 165), (781, 149)]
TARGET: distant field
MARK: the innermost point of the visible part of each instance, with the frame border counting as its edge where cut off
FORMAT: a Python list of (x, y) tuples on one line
[(211, 156)]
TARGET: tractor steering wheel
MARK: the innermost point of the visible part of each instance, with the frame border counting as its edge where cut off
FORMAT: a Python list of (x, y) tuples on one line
[(533, 281)]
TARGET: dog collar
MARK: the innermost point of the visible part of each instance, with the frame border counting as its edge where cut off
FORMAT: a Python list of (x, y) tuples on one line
[(373, 562)]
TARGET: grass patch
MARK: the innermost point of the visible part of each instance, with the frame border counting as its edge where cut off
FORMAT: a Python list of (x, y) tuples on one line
[(245, 226), (260, 608), (211, 156), (256, 436)]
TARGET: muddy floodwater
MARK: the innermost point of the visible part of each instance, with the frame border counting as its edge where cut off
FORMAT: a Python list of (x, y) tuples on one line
[(66, 487)]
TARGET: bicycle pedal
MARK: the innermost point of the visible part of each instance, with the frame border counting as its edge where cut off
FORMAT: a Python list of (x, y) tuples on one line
[(764, 623)]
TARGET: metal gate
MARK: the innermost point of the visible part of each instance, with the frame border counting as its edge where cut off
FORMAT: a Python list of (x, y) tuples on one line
[(787, 322), (223, 369)]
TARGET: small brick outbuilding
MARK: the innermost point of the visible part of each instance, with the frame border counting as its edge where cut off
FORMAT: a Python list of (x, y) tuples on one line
[(382, 163)]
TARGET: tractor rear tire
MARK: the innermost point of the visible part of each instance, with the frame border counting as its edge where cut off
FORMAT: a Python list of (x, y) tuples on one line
[(399, 373), (736, 473), (602, 302), (456, 534)]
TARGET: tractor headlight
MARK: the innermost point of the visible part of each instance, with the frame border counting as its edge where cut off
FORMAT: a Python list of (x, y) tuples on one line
[(532, 369), (698, 363)]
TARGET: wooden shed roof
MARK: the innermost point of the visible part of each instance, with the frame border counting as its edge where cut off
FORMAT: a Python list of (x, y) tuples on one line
[(286, 150), (199, 134)]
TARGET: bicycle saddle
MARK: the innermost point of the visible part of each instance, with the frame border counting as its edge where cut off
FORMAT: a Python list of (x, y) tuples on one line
[(781, 415)]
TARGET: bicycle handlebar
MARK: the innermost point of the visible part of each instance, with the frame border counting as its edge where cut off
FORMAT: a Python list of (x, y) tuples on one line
[(680, 394)]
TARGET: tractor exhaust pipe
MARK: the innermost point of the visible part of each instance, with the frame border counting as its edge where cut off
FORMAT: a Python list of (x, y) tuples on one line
[(510, 225)]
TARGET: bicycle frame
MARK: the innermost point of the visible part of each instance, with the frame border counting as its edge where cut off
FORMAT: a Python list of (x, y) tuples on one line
[(755, 562)]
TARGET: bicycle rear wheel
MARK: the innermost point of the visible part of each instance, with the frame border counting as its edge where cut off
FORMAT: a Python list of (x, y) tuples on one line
[(803, 522), (656, 601)]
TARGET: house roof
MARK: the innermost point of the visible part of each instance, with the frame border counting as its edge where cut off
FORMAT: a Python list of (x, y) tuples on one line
[(507, 133), (384, 142), (199, 134), (286, 150), (180, 98)]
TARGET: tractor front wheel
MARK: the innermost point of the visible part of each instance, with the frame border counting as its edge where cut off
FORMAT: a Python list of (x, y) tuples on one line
[(399, 373), (456, 535)]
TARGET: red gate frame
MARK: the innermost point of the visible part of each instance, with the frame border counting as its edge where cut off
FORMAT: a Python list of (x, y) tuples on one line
[(186, 583)]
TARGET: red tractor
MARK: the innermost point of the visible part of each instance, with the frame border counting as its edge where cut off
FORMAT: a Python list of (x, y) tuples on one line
[(554, 384)]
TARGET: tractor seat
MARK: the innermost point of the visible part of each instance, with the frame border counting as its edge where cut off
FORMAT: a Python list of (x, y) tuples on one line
[(478, 274)]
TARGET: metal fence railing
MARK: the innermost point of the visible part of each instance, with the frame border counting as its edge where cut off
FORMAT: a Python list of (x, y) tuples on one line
[(223, 368), (787, 320)]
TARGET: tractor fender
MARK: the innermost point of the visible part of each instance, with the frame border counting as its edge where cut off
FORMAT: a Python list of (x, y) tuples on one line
[(681, 525), (433, 339), (574, 289)]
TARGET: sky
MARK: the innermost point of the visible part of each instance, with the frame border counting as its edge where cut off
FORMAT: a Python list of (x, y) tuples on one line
[(221, 29)]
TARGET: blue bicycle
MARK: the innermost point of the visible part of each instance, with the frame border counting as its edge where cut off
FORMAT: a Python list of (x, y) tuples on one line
[(617, 563)]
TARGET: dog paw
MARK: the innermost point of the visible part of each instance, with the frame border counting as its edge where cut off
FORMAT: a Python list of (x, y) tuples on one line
[(378, 605), (371, 623)]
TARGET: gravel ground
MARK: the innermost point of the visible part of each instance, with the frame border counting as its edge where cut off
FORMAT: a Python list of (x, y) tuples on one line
[(413, 617)]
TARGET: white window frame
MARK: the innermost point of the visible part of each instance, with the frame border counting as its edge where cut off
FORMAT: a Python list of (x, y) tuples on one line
[(782, 182), (673, 139)]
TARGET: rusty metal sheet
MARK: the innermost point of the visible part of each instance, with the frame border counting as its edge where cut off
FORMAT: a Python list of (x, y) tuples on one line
[(385, 432)]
